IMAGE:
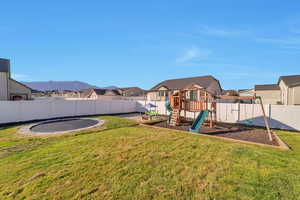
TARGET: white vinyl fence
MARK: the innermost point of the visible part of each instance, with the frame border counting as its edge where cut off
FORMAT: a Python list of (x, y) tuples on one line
[(19, 111), (279, 116)]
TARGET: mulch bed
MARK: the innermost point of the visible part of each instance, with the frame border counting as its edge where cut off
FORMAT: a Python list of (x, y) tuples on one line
[(237, 132)]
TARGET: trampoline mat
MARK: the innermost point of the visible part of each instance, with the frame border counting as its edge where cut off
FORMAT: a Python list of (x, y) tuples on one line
[(63, 125)]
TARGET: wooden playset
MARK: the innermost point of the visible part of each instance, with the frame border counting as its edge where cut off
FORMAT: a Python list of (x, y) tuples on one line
[(194, 99)]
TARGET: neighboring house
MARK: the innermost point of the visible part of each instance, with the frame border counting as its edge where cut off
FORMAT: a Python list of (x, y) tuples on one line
[(270, 93), (101, 94), (286, 91), (246, 92), (230, 92), (290, 89), (11, 89), (132, 92), (85, 93), (65, 94), (163, 90)]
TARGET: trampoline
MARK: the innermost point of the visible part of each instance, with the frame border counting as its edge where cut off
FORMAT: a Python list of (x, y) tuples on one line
[(61, 126)]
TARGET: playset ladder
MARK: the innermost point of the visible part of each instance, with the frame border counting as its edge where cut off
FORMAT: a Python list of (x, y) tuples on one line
[(175, 118)]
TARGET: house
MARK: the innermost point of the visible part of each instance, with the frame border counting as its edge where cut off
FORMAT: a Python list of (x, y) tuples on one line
[(132, 92), (105, 94), (270, 93), (65, 94), (286, 91), (11, 89), (230, 92), (290, 89), (246, 92), (163, 90)]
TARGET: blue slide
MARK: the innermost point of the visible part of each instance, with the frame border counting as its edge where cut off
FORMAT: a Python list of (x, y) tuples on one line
[(199, 121), (168, 107)]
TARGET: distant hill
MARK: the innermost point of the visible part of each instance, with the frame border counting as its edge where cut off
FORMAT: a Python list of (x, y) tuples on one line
[(61, 85)]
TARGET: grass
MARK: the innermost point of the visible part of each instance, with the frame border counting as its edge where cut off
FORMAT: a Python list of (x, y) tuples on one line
[(124, 161)]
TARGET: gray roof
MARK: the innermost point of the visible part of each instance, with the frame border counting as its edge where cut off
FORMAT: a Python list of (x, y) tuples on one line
[(106, 92), (132, 91), (130, 88), (20, 84), (86, 93), (290, 81), (244, 90), (267, 87), (59, 85), (174, 84), (4, 65)]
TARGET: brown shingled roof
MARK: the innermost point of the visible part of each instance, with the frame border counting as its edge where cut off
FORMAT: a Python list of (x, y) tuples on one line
[(267, 87), (290, 81), (174, 84)]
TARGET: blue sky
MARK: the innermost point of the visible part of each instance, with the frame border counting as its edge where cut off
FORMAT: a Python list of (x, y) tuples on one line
[(140, 43)]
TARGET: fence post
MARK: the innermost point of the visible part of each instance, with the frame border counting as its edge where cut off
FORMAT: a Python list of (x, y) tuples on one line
[(226, 111), (95, 108), (76, 109), (51, 114), (239, 112)]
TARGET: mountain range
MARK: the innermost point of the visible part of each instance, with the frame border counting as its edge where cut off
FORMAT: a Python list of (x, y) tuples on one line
[(62, 85)]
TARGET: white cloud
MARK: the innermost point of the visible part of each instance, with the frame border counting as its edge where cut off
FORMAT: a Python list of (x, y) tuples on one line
[(193, 53), (21, 77)]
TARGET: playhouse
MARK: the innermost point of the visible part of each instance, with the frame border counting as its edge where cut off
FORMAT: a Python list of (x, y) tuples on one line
[(195, 99)]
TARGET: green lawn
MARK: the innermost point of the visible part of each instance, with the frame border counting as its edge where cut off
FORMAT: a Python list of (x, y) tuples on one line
[(124, 161)]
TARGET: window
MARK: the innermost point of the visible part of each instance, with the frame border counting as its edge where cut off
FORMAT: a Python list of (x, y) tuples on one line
[(193, 95), (163, 93)]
